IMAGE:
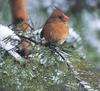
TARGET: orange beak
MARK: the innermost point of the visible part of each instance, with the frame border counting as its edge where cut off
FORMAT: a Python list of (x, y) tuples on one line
[(66, 18)]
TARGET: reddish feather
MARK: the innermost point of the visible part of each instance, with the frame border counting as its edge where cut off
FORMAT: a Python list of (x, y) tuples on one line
[(55, 29)]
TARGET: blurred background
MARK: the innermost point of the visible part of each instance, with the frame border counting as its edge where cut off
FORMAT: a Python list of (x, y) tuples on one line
[(84, 19)]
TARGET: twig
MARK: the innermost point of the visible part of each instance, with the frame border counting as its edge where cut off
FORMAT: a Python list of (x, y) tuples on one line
[(29, 25), (52, 47), (31, 22), (84, 86), (21, 23), (37, 43)]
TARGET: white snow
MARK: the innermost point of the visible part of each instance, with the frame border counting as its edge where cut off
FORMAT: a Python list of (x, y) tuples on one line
[(6, 43)]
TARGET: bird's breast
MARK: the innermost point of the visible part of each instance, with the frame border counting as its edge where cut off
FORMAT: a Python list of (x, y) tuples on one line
[(55, 32)]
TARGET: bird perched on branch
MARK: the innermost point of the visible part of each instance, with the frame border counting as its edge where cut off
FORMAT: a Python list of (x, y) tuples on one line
[(55, 30), (25, 47), (19, 15)]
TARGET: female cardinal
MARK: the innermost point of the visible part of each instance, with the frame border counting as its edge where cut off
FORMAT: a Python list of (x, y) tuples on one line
[(19, 15), (55, 29)]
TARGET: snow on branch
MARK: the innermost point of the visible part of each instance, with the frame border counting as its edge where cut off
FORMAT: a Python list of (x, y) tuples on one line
[(9, 41)]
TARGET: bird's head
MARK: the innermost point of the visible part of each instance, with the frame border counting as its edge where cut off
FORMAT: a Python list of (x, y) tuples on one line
[(57, 13)]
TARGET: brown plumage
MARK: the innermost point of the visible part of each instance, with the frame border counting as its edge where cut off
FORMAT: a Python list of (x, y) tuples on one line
[(55, 29), (24, 48), (19, 14)]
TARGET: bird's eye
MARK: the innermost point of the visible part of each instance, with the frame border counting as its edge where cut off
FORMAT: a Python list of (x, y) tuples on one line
[(60, 17)]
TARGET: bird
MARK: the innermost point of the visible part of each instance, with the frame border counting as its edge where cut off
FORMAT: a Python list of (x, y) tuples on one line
[(55, 29), (24, 48), (19, 15)]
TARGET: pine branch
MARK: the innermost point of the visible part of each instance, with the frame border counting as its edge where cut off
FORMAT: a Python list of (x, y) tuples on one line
[(83, 85), (52, 47)]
